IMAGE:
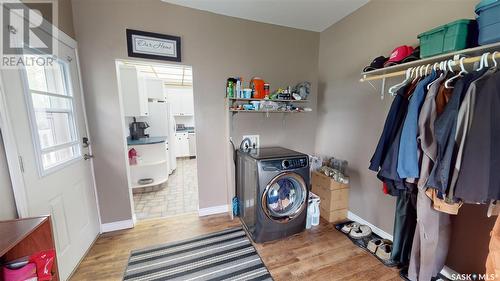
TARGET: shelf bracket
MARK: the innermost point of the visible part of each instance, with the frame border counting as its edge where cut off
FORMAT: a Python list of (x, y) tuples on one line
[(382, 90)]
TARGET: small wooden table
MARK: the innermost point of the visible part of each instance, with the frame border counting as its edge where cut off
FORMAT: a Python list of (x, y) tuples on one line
[(24, 237)]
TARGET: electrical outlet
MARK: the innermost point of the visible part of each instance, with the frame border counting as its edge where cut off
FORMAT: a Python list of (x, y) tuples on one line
[(254, 140)]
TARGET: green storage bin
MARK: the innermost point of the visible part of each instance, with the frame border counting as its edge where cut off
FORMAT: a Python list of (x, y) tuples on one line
[(450, 37)]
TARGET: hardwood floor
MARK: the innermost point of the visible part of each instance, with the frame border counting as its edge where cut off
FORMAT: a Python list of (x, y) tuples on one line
[(321, 253)]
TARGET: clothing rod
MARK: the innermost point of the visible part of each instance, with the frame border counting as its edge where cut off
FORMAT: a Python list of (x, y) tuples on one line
[(470, 60)]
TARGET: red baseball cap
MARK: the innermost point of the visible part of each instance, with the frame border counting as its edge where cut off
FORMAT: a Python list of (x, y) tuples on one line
[(399, 54)]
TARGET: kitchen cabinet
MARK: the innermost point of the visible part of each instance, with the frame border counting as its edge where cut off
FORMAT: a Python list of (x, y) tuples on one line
[(152, 161), (187, 102), (192, 144), (133, 92), (154, 89), (182, 144), (175, 103), (182, 101)]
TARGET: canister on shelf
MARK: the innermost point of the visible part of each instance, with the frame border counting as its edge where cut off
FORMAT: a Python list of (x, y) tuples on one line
[(230, 87), (266, 89), (257, 85)]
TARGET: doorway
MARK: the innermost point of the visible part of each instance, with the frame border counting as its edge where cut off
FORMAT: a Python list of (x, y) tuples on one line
[(158, 111)]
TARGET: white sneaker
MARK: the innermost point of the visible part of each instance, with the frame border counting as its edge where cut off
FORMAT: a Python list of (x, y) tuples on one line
[(348, 226)]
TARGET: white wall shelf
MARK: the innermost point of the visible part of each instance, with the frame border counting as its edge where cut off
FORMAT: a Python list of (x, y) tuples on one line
[(399, 69), (154, 163)]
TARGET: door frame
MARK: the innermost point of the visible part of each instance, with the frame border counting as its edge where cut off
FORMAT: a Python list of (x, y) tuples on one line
[(14, 161)]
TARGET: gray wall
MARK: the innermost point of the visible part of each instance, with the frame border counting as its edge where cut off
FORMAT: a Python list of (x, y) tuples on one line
[(64, 17), (351, 115), (217, 47), (7, 203)]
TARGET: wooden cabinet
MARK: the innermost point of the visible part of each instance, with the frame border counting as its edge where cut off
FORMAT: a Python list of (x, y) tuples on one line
[(154, 89), (24, 237), (133, 92), (182, 144), (334, 197), (192, 144), (181, 100)]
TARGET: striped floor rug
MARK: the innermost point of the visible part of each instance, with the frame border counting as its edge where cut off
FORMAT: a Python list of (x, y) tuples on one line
[(224, 255)]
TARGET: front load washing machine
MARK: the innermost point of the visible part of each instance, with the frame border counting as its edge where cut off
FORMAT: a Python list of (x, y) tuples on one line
[(272, 189)]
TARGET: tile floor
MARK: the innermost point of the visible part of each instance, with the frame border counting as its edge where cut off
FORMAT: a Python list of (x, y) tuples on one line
[(179, 195)]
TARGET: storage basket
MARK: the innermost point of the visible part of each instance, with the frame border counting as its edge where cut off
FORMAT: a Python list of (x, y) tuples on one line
[(454, 36), (488, 21)]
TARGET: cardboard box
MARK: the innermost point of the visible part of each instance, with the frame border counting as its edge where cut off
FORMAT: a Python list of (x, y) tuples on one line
[(326, 182), (332, 199), (333, 216), (334, 195)]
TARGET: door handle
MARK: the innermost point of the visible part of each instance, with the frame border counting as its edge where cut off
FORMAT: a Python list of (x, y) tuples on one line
[(87, 156)]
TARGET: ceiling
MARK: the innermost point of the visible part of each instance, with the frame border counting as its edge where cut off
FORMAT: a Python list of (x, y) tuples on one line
[(313, 15), (171, 74)]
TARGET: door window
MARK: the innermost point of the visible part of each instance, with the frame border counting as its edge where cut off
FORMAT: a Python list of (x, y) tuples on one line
[(51, 105), (285, 196)]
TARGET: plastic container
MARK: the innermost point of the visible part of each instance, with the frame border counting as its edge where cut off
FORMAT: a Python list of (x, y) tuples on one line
[(315, 216), (313, 211), (27, 272), (488, 21), (310, 212), (257, 85), (451, 37), (236, 206)]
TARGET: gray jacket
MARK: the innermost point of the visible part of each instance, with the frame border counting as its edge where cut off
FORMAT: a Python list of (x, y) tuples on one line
[(464, 120)]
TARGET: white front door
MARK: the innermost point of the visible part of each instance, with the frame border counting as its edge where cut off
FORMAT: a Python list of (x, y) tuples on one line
[(47, 119)]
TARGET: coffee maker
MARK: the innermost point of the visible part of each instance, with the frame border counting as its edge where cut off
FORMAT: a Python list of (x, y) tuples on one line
[(137, 130)]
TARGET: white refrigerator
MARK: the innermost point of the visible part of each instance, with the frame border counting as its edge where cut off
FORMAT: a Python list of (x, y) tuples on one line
[(162, 123)]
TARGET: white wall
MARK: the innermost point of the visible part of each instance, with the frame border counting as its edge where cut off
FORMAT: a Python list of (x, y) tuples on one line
[(7, 203)]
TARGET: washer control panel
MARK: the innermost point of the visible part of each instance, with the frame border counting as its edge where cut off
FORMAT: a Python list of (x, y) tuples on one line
[(289, 164), (285, 164)]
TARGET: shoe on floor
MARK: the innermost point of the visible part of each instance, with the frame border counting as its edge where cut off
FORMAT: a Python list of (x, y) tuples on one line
[(384, 252), (349, 226), (373, 244), (360, 232)]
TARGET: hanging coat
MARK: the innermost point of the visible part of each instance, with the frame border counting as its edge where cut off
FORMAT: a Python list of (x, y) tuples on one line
[(445, 128), (393, 121), (479, 177), (407, 156), (464, 121)]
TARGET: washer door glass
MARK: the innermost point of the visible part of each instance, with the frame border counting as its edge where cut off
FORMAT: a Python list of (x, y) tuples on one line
[(285, 196)]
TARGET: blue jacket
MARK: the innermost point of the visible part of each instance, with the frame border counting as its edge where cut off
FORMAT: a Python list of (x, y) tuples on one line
[(408, 166), (393, 121)]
